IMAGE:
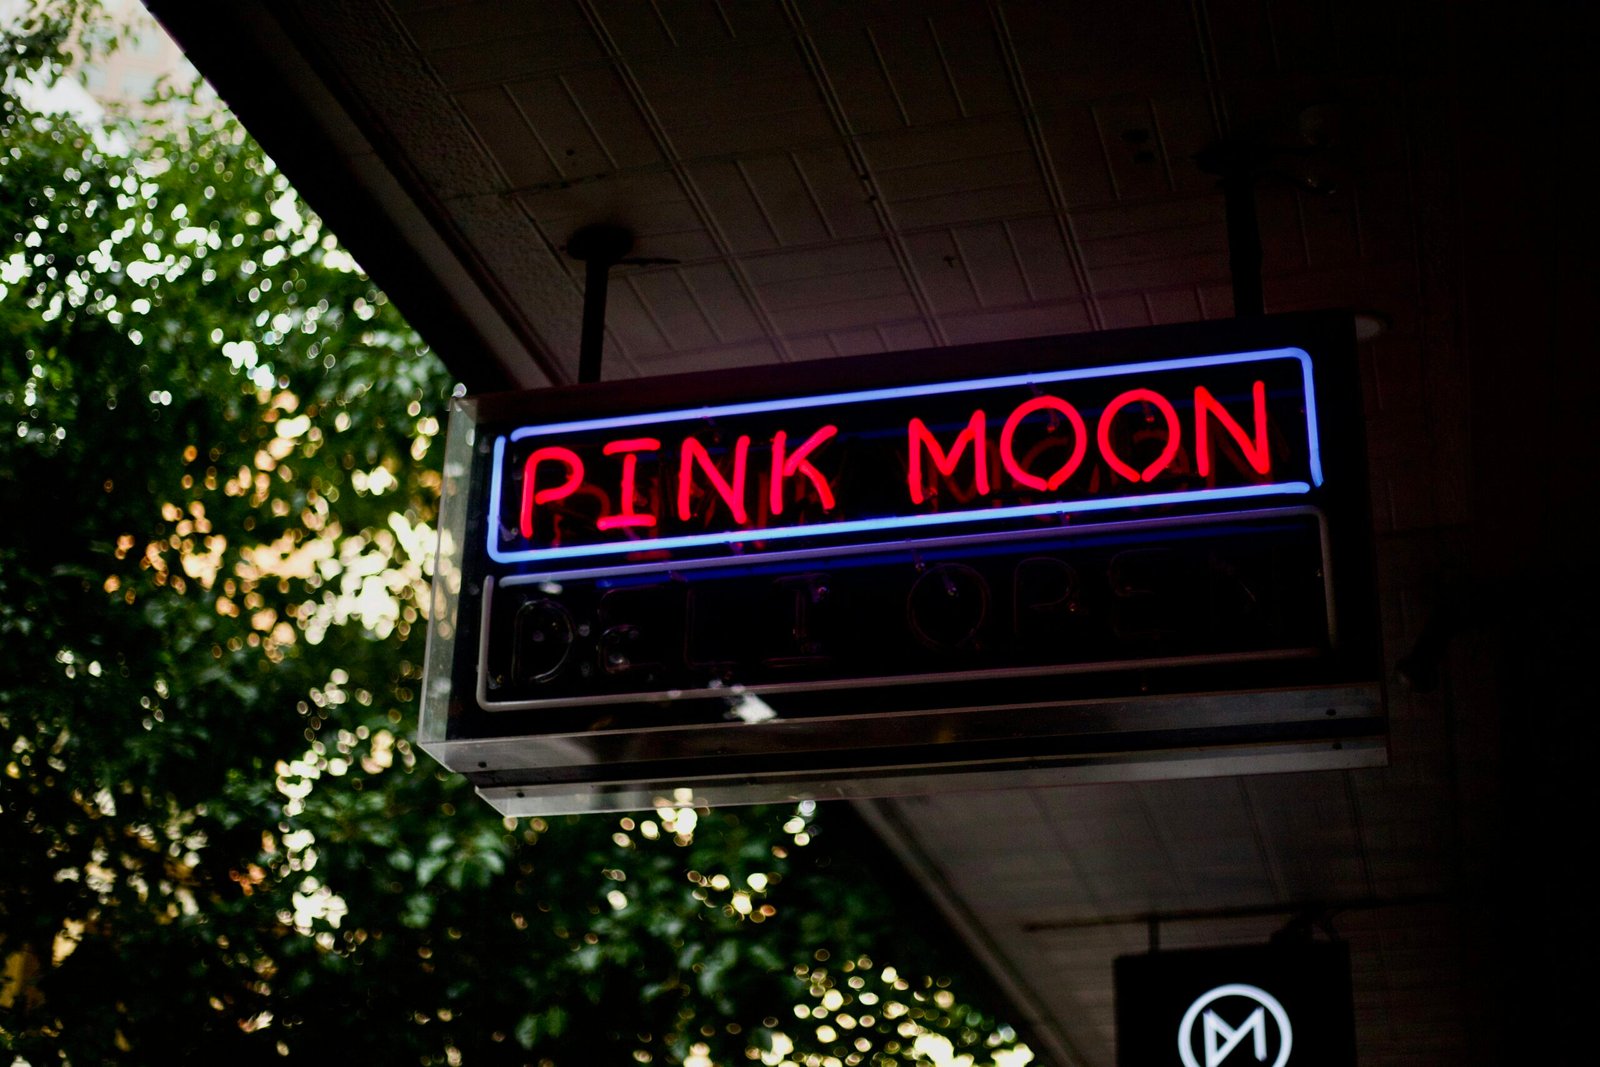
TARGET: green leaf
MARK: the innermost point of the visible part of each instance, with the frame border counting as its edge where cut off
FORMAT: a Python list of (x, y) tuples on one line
[(192, 769), (527, 1032)]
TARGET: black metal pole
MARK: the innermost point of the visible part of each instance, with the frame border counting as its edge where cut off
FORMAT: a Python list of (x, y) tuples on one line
[(1239, 166), (1244, 244), (596, 277), (600, 247)]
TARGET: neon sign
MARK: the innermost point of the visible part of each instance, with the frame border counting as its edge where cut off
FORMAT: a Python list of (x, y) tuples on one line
[(982, 453), (812, 579)]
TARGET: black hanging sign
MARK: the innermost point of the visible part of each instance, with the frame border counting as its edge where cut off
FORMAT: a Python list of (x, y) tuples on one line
[(1257, 1006)]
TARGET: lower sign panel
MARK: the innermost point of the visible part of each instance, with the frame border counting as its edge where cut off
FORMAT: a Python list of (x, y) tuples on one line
[(870, 671), (1067, 600)]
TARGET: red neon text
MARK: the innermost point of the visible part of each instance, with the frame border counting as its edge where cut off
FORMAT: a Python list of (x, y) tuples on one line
[(1163, 405), (792, 463), (732, 492), (920, 439), (700, 480), (1043, 442), (1255, 451), (532, 495), (1008, 455), (630, 450)]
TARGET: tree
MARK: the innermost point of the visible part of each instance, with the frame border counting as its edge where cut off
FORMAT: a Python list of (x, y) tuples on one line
[(218, 480)]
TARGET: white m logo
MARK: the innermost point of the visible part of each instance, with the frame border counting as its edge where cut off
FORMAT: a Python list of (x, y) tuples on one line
[(1220, 1039)]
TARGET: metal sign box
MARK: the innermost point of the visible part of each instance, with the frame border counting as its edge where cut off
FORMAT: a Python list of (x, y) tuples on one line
[(1138, 553)]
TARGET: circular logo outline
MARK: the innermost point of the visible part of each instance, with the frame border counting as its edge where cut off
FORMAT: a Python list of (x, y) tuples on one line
[(1236, 989)]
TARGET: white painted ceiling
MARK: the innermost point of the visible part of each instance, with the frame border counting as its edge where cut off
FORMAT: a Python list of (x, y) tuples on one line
[(836, 178), (839, 178)]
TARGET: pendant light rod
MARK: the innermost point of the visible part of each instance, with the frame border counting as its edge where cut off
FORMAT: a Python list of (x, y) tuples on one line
[(1239, 166), (599, 247)]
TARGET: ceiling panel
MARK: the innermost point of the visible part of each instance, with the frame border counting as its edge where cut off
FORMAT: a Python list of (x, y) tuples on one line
[(494, 41), (1035, 320), (1076, 52), (754, 98), (1174, 305), (718, 295), (1048, 266), (807, 198), (742, 214), (676, 309), (503, 130), (586, 122)]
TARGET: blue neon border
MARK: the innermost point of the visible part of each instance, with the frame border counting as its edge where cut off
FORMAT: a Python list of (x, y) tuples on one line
[(1058, 507)]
